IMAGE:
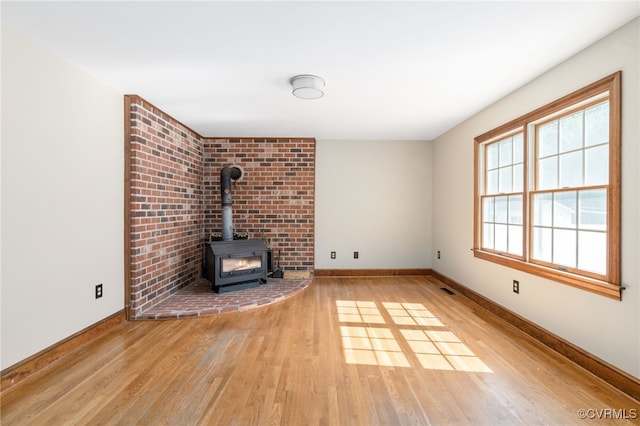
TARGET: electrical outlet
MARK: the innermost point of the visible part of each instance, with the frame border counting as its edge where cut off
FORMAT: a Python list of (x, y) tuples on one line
[(516, 286), (333, 254), (355, 254), (438, 254), (98, 291)]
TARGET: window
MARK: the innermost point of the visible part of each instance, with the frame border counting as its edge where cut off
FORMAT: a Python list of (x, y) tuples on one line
[(548, 190), (502, 220)]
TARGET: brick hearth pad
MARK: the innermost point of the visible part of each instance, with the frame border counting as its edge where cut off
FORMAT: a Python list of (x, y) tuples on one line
[(198, 300)]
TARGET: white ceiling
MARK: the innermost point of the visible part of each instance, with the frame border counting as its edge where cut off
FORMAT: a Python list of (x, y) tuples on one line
[(394, 70)]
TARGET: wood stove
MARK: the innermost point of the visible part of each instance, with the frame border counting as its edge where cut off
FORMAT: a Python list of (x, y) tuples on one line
[(236, 264)]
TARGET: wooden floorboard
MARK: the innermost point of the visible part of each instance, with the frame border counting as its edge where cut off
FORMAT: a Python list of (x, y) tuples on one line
[(346, 351)]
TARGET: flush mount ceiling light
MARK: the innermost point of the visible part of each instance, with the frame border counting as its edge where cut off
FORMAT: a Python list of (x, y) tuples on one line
[(307, 86)]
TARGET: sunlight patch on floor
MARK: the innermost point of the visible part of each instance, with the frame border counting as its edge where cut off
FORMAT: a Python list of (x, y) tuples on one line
[(358, 311), (411, 314), (374, 345), (442, 350)]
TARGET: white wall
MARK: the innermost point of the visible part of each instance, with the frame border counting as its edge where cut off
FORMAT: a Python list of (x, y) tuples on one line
[(62, 199), (607, 328), (373, 197)]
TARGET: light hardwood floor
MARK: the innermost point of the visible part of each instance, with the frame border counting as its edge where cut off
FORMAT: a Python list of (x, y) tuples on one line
[(347, 351)]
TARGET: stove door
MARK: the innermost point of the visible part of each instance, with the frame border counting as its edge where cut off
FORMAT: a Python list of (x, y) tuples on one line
[(240, 264)]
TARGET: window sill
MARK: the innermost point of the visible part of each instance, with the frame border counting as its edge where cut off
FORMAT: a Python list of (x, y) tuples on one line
[(603, 288)]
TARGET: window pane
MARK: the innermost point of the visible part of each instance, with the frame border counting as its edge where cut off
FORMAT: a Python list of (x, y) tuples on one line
[(592, 252), (564, 210), (564, 247), (492, 182), (597, 124), (548, 139), (515, 209), (487, 210), (593, 210), (487, 235), (548, 173), (596, 163), (501, 209), (542, 209), (506, 157), (518, 148), (506, 180), (517, 178), (542, 238), (515, 240), (501, 237), (492, 156), (571, 132), (571, 170)]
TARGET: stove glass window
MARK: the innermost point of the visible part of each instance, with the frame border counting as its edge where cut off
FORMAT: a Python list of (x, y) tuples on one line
[(236, 264)]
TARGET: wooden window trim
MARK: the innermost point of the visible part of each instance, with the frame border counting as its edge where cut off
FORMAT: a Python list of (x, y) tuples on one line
[(611, 286)]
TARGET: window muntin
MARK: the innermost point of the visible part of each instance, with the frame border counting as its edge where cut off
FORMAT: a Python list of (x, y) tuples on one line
[(502, 204), (504, 165), (558, 198), (570, 226), (573, 150), (569, 230)]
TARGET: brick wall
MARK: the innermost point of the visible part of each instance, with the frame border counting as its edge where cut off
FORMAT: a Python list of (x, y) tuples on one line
[(166, 210), (174, 200), (273, 200)]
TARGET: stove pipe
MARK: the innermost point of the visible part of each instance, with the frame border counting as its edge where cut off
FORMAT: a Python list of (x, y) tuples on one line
[(228, 173)]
